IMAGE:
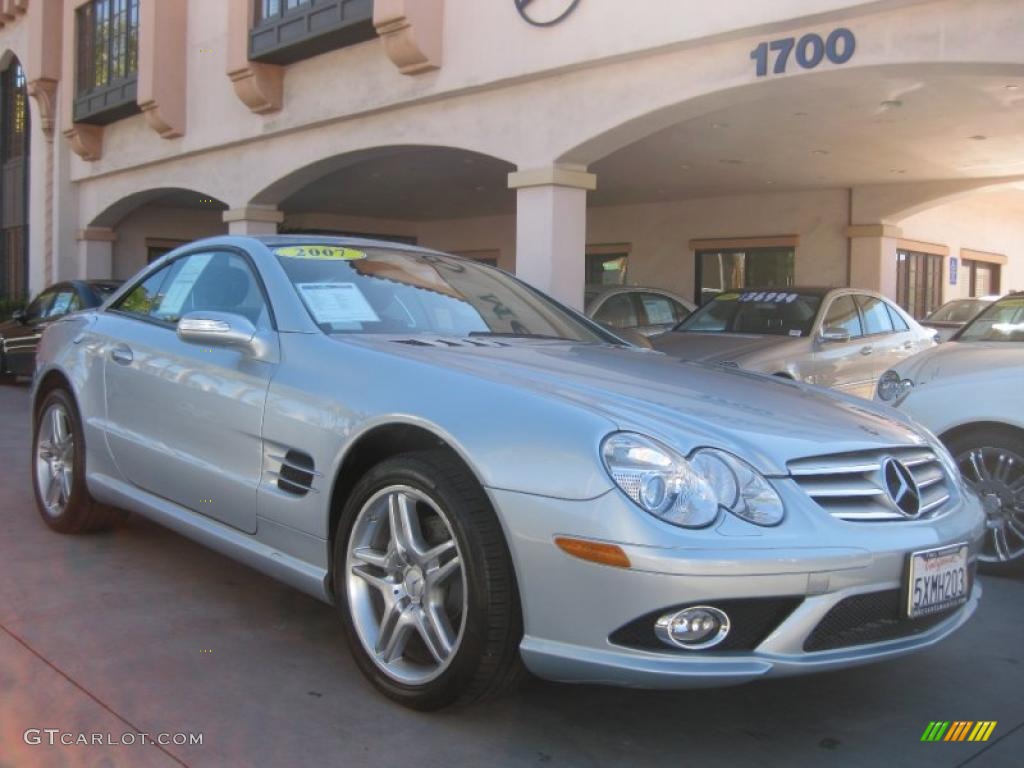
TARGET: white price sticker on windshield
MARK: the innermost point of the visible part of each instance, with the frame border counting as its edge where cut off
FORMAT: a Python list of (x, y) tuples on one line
[(337, 303)]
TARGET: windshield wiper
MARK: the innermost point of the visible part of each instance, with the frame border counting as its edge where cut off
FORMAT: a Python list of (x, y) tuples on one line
[(501, 335)]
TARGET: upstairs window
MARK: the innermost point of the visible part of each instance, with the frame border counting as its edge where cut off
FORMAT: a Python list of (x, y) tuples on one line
[(108, 61), (286, 31)]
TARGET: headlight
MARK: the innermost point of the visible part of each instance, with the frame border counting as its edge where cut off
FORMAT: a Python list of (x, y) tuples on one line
[(688, 493), (891, 387)]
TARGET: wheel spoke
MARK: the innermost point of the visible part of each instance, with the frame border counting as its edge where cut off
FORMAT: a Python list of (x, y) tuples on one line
[(65, 486), (439, 551), (394, 634), (384, 585), (1017, 528), (59, 427), (53, 491), (405, 526), (433, 627), (999, 543), (977, 460), (1003, 465), (47, 451), (371, 557), (437, 575)]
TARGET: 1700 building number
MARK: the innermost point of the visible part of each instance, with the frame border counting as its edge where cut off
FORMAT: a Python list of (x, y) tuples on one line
[(809, 51)]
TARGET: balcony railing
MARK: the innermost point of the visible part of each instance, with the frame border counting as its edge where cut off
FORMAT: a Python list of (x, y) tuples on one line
[(286, 31)]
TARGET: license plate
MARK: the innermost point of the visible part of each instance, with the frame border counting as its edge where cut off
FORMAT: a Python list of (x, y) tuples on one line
[(939, 580)]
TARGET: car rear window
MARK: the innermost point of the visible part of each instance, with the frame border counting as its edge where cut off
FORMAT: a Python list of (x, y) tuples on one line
[(772, 313)]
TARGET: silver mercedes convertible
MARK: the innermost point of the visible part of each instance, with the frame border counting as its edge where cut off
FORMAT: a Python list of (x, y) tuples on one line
[(484, 481)]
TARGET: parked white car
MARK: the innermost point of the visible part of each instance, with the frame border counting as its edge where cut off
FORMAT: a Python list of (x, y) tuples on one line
[(970, 392)]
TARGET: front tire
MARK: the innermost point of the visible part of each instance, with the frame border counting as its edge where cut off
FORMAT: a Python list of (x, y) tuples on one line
[(425, 585), (58, 464), (991, 460)]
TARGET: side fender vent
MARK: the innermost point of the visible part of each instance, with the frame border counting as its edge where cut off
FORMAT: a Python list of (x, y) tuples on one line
[(297, 474)]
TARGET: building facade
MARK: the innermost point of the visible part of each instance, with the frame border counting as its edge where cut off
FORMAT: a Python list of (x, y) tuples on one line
[(830, 142)]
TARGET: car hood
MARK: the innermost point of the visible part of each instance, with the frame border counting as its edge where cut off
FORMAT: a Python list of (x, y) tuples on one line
[(766, 420), (955, 358), (719, 347)]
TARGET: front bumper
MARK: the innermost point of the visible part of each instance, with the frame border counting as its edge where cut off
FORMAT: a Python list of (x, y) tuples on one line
[(571, 608)]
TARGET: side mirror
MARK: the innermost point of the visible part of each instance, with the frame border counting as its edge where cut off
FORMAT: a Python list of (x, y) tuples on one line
[(221, 329), (19, 316), (835, 335)]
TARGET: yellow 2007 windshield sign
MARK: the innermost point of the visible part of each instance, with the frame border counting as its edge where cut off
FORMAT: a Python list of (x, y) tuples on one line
[(320, 253)]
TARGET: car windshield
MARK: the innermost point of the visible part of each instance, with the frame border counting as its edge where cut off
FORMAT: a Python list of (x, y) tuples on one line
[(773, 313), (388, 291), (104, 291), (1002, 321), (960, 311)]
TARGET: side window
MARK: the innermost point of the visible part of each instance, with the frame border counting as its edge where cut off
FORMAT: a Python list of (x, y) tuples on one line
[(843, 315), (661, 310), (38, 309), (876, 315), (215, 282), (899, 324), (61, 305), (618, 312)]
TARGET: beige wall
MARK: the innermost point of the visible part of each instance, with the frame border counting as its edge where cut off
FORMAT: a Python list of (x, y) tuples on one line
[(986, 221), (163, 223)]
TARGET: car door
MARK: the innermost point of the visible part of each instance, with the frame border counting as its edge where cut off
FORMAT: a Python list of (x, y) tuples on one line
[(184, 422), (889, 346), (21, 340), (844, 365), (659, 313)]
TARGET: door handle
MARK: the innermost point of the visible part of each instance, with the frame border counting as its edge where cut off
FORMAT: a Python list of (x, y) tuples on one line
[(908, 345), (121, 355), (867, 350)]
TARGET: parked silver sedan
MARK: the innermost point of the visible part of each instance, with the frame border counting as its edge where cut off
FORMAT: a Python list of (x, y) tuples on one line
[(834, 337), (480, 479), (630, 308)]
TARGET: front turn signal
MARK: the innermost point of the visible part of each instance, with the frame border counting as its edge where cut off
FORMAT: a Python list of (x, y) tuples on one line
[(594, 551)]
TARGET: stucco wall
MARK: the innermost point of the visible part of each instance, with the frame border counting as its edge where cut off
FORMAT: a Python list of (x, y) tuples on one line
[(159, 222), (992, 222)]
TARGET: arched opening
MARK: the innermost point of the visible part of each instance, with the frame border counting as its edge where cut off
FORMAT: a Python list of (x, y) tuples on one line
[(15, 148), (795, 180), (147, 224), (440, 197)]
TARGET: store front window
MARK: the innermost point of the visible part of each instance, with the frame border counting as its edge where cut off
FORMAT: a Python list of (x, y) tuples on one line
[(727, 270), (14, 159), (606, 269), (983, 278), (918, 282)]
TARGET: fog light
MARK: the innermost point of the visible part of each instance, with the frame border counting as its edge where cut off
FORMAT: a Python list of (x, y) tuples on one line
[(694, 629)]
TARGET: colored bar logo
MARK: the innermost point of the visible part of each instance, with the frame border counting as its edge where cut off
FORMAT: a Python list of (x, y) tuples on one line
[(959, 730)]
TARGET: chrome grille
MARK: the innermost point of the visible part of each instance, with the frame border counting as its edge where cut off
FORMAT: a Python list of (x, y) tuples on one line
[(851, 486)]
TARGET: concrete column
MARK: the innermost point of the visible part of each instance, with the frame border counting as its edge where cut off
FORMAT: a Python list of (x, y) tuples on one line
[(253, 220), (96, 253), (551, 229), (873, 257)]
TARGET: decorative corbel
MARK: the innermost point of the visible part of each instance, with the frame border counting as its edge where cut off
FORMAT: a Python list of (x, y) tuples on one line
[(259, 86), (163, 31), (86, 140), (44, 91), (19, 7), (412, 32)]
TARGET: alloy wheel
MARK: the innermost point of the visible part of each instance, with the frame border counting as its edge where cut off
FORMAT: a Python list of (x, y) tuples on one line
[(406, 584), (55, 459), (997, 474)]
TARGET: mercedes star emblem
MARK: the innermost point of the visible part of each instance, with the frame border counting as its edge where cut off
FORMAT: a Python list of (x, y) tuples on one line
[(901, 487)]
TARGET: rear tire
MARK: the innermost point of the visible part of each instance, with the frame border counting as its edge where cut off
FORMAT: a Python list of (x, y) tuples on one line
[(991, 460), (460, 632), (58, 470)]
